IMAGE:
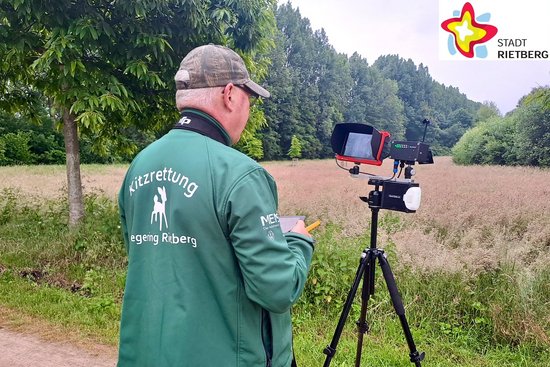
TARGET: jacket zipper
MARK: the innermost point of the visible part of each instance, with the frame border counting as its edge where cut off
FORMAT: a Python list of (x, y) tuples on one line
[(268, 356)]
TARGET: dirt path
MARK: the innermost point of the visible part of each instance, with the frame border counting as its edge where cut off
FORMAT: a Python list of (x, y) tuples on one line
[(27, 341), (24, 350)]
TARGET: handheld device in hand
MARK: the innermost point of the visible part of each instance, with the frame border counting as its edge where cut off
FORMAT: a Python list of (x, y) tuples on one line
[(288, 222)]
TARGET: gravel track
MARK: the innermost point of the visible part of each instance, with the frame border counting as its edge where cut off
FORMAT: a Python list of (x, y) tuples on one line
[(24, 350)]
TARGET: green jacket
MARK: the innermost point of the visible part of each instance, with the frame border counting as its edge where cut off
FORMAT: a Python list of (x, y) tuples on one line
[(211, 277)]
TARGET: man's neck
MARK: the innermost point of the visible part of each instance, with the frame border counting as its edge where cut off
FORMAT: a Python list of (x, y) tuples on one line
[(203, 123)]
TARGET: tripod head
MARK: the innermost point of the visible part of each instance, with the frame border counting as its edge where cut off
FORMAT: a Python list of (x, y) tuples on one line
[(392, 193)]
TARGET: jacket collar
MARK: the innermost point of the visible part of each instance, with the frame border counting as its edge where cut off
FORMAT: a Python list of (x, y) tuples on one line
[(202, 123)]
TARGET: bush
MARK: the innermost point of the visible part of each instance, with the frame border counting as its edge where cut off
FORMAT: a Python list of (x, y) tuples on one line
[(3, 159), (493, 141), (520, 138), (23, 142), (17, 149), (534, 129)]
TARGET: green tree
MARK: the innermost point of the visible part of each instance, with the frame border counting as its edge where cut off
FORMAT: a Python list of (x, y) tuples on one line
[(493, 141), (252, 147), (16, 148), (3, 159), (374, 99), (310, 83), (300, 108), (533, 132), (334, 84), (45, 142), (425, 98), (413, 88), (487, 110), (521, 137), (295, 150), (106, 65)]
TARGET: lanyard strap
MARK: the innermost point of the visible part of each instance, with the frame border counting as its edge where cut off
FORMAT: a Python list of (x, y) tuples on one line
[(199, 124)]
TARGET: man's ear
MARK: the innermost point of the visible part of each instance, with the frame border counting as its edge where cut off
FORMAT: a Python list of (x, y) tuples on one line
[(228, 96)]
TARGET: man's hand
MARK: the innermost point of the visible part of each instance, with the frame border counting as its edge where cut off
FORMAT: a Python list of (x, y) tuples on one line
[(300, 227)]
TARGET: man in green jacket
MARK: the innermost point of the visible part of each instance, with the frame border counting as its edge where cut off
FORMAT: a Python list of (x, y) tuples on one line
[(211, 277)]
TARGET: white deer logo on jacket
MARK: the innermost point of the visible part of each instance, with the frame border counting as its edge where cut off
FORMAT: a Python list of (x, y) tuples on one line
[(159, 208)]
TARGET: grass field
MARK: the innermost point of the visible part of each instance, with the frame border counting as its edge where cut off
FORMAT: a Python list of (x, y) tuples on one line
[(470, 218), (472, 264)]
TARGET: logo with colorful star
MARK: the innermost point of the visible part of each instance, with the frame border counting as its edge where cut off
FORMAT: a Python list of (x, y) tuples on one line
[(468, 31)]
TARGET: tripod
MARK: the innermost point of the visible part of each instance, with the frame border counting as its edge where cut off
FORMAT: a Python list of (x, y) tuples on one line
[(366, 272)]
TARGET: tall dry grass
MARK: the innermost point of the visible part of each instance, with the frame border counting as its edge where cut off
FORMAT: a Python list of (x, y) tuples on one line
[(470, 218), (51, 181)]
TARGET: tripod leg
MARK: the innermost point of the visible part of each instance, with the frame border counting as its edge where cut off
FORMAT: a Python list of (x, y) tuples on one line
[(416, 357), (367, 291), (330, 350), (368, 285)]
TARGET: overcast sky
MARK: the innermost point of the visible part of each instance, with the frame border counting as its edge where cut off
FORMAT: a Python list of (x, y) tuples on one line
[(411, 29)]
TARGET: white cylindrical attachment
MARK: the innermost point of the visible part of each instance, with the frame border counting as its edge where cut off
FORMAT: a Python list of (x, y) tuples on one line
[(412, 198)]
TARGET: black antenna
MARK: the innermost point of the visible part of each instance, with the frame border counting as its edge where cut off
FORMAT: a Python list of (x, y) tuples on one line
[(426, 122)]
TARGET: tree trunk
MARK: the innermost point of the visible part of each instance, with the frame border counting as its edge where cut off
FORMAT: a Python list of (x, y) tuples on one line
[(74, 183)]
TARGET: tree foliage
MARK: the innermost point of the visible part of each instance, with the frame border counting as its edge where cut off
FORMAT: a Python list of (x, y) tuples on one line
[(111, 64), (41, 142), (450, 111), (107, 67), (487, 110), (492, 141), (374, 99), (315, 88), (522, 137), (104, 66), (534, 130), (310, 84), (295, 150), (15, 149)]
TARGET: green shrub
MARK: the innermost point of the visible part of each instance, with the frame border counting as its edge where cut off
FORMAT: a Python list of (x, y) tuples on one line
[(3, 159), (17, 149), (520, 138), (534, 129), (493, 141)]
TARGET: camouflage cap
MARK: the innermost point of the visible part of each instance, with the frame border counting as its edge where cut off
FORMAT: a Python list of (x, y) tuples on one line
[(215, 66)]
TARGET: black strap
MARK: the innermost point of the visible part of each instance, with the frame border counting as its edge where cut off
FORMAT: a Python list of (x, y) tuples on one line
[(197, 123), (293, 362)]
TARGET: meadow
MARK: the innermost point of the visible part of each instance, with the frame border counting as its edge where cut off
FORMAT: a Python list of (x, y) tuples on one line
[(472, 264)]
